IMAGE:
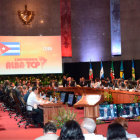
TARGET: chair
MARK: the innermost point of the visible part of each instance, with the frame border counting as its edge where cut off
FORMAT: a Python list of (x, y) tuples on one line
[(25, 115)]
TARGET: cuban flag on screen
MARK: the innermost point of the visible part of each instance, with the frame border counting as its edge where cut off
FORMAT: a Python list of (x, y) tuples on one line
[(101, 71), (9, 48)]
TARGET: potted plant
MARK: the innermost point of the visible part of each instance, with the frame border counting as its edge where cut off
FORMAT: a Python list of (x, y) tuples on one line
[(108, 99), (63, 116)]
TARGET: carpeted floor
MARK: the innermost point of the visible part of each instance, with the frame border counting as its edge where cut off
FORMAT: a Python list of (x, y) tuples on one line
[(9, 129)]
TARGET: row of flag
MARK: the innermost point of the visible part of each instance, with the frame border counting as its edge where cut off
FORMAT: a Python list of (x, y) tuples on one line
[(112, 75)]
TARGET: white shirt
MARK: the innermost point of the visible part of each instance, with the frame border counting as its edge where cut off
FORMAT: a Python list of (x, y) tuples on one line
[(48, 137), (128, 135), (92, 136), (32, 100)]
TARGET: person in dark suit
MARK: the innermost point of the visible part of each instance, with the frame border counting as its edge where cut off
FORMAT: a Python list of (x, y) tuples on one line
[(53, 83), (83, 82), (136, 109), (112, 111), (70, 82), (64, 81)]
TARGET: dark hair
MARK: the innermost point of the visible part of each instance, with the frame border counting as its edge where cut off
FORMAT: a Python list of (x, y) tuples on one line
[(34, 88), (71, 131), (49, 126), (116, 132)]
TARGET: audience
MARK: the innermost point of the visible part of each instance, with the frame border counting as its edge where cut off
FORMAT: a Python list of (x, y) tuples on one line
[(88, 127), (124, 123), (49, 132), (116, 132), (71, 131)]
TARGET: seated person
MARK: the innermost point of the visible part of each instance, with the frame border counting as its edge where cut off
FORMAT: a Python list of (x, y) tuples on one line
[(64, 81), (116, 132), (97, 83), (88, 127), (49, 132), (32, 103), (53, 83), (27, 94), (137, 109), (83, 82), (124, 123), (71, 131), (70, 82)]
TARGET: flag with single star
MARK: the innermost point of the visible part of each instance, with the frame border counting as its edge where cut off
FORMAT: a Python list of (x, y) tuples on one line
[(9, 48)]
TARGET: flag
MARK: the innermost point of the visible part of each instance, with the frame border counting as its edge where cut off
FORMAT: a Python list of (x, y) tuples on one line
[(112, 71), (9, 48), (133, 71), (121, 71), (90, 72), (101, 71)]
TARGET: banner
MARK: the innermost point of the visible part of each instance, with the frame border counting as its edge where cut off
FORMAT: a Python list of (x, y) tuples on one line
[(30, 54), (66, 28)]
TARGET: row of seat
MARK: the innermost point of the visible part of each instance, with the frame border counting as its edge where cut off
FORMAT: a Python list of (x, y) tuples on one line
[(13, 102)]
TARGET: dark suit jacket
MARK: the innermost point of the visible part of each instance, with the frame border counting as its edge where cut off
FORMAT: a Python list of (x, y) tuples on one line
[(82, 84), (72, 84), (64, 82)]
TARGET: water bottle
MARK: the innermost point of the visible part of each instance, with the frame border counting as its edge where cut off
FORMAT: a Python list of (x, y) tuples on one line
[(50, 98), (55, 100)]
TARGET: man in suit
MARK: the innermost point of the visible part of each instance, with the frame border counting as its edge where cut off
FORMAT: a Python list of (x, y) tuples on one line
[(70, 82), (53, 83), (64, 81), (113, 111), (49, 132), (137, 109), (83, 82)]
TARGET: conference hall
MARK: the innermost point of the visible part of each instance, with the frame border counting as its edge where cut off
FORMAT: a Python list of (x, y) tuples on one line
[(69, 69)]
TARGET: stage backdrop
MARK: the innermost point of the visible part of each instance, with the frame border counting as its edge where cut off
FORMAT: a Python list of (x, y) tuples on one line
[(30, 54)]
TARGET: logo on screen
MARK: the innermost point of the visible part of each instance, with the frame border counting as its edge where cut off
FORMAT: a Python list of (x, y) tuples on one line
[(9, 48)]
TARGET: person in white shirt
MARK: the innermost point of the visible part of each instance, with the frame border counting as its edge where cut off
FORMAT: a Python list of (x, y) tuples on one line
[(32, 103), (88, 127), (49, 132), (124, 123)]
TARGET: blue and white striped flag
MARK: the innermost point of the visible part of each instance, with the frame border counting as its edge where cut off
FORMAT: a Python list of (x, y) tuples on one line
[(101, 71), (13, 48)]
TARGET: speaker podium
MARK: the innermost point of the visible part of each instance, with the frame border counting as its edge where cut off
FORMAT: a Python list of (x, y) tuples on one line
[(90, 101)]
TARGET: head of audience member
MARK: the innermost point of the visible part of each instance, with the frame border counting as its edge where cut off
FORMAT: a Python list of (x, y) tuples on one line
[(122, 121), (30, 89), (88, 125), (71, 131), (35, 90), (24, 89), (23, 82), (49, 127), (64, 77), (20, 89), (116, 132)]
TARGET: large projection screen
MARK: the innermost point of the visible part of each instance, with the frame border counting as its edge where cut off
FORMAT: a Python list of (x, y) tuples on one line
[(30, 55)]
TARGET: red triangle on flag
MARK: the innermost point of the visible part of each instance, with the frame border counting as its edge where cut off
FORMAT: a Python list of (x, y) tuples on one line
[(3, 48)]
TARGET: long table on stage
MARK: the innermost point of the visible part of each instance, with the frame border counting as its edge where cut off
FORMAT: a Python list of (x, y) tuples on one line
[(50, 110), (119, 96)]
